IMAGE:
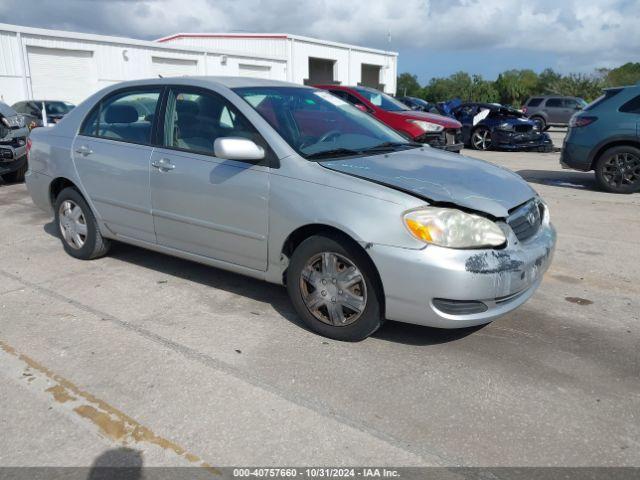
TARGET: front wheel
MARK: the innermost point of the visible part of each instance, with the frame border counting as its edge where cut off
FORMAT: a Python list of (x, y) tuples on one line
[(618, 169), (77, 227), (481, 138), (335, 289), (539, 121)]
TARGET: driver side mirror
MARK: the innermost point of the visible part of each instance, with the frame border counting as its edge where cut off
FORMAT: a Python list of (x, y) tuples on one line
[(236, 148)]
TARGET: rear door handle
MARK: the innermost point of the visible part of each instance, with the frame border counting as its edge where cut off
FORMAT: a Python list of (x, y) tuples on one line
[(164, 165), (84, 150)]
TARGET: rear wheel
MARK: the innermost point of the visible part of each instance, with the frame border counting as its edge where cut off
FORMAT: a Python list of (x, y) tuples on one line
[(481, 138), (618, 169), (17, 175), (77, 227), (335, 288)]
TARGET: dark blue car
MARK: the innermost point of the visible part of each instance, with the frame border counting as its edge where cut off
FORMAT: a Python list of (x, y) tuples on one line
[(491, 126)]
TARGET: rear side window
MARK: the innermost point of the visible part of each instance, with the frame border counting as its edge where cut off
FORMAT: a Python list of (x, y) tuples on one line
[(126, 116), (632, 106), (534, 102), (608, 95), (554, 102)]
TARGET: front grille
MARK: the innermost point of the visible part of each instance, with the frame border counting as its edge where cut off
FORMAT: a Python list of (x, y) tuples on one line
[(6, 153), (526, 219), (523, 128)]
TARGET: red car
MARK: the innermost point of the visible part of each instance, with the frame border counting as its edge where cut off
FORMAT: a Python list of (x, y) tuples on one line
[(436, 130)]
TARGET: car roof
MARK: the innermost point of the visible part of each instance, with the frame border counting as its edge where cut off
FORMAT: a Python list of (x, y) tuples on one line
[(224, 81)]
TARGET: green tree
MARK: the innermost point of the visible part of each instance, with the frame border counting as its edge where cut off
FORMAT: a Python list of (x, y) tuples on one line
[(510, 88), (627, 74), (408, 85), (547, 78)]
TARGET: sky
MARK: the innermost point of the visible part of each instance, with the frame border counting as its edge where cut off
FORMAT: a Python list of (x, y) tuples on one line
[(433, 37)]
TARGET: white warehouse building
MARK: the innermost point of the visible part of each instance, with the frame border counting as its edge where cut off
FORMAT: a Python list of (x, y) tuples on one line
[(47, 64)]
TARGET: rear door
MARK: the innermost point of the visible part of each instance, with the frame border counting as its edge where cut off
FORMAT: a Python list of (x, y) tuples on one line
[(112, 155), (202, 204), (555, 110)]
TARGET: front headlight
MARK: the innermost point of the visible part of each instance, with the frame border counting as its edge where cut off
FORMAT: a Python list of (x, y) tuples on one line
[(452, 228), (505, 126), (16, 121), (427, 126)]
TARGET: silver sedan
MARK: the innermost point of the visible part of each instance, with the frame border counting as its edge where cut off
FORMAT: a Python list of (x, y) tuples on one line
[(294, 186)]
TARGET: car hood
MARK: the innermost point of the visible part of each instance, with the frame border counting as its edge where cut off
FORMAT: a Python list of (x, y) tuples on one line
[(446, 122), (442, 177)]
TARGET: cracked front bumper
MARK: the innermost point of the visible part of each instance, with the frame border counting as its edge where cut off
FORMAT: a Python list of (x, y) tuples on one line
[(521, 141), (501, 280)]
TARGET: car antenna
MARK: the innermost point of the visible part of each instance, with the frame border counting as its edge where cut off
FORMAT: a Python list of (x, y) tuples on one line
[(160, 76)]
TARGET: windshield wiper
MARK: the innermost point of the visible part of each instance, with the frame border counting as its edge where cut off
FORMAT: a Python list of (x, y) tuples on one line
[(336, 152), (392, 146)]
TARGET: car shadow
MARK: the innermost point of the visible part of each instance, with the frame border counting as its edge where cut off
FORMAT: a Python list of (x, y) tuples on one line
[(562, 179), (274, 295)]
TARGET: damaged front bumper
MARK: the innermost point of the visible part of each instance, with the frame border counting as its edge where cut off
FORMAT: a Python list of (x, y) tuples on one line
[(448, 288), (508, 140), (449, 140)]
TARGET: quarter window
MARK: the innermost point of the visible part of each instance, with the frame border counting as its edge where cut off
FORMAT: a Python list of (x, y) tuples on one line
[(126, 116), (632, 106), (194, 120)]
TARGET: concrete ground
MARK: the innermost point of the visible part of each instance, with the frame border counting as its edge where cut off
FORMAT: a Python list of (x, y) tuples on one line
[(140, 358)]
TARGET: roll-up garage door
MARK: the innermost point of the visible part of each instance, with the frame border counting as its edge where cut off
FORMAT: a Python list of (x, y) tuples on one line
[(60, 74), (173, 67), (258, 71)]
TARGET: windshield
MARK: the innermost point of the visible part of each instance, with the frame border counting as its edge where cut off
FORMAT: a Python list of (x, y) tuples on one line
[(316, 123), (57, 108), (382, 100)]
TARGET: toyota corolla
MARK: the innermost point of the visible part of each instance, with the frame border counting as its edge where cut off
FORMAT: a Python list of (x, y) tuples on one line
[(294, 186)]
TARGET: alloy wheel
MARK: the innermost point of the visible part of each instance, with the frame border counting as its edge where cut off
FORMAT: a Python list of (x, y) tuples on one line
[(333, 289), (73, 224), (621, 170), (481, 139)]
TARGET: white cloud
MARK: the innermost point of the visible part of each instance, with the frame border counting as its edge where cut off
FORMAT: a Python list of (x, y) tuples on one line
[(584, 32)]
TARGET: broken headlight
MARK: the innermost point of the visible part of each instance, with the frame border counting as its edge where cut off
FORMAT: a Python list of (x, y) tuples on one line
[(448, 227), (506, 127), (16, 121)]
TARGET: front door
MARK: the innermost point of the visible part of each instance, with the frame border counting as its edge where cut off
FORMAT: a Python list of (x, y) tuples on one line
[(202, 204), (112, 155)]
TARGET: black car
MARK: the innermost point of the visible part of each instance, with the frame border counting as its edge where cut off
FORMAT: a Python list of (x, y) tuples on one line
[(32, 110), (491, 126)]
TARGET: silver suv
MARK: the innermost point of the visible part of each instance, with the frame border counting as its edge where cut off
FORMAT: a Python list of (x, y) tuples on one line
[(552, 110)]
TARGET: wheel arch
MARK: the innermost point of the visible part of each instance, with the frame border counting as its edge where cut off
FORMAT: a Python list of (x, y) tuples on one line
[(618, 142), (300, 234), (57, 185)]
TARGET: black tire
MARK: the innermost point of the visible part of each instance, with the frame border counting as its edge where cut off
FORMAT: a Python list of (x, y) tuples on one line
[(542, 125), (16, 176), (95, 245), (480, 131), (371, 316), (622, 179)]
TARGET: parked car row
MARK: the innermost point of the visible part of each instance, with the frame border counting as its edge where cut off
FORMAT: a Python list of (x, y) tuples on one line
[(489, 126), (299, 187)]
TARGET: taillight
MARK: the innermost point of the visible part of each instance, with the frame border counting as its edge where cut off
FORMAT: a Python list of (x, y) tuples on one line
[(524, 110), (28, 147), (578, 121)]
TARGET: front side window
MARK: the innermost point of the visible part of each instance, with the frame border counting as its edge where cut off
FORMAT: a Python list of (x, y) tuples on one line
[(195, 119), (382, 100), (317, 124), (57, 108), (126, 116), (554, 103)]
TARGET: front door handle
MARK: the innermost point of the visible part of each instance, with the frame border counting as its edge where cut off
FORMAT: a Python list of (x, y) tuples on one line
[(84, 150), (164, 165)]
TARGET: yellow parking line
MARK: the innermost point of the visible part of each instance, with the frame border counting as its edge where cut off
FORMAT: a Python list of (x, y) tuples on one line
[(111, 422)]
